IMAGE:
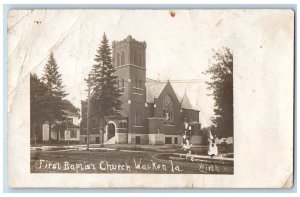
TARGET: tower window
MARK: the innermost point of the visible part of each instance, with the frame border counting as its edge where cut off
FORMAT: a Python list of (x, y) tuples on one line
[(137, 119), (142, 61), (118, 59), (139, 60), (122, 84), (123, 58), (135, 58), (140, 84)]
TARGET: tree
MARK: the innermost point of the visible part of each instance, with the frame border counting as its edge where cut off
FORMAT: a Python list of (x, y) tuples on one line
[(67, 105), (38, 91), (221, 84), (55, 93), (105, 93)]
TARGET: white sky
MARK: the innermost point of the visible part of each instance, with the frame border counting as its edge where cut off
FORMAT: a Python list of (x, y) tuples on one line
[(178, 48)]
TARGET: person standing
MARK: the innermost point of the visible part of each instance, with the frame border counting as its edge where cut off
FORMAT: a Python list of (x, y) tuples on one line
[(186, 137), (212, 148)]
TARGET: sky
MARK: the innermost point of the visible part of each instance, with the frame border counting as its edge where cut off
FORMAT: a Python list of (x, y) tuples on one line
[(178, 48)]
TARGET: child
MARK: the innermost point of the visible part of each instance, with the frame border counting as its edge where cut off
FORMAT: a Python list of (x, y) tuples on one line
[(186, 146)]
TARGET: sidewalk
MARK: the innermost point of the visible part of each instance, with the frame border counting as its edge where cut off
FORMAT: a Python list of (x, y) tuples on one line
[(113, 147)]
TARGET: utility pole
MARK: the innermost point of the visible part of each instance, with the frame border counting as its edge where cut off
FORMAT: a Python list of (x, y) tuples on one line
[(102, 133), (88, 116)]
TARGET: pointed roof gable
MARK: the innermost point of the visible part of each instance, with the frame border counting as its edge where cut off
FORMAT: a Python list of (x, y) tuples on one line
[(153, 89), (185, 102)]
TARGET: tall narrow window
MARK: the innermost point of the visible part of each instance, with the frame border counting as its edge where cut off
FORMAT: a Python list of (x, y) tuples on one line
[(139, 60), (123, 58), (140, 84), (118, 59), (168, 109), (135, 58), (137, 119)]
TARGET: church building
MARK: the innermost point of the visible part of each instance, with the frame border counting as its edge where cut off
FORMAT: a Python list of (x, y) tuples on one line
[(152, 112)]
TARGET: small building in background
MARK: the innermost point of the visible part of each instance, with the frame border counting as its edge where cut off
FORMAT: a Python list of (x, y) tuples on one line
[(66, 130)]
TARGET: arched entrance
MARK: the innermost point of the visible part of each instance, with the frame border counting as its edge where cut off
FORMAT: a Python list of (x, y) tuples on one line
[(111, 131)]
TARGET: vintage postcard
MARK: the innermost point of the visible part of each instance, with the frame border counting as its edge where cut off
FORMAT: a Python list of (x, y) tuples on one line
[(150, 98)]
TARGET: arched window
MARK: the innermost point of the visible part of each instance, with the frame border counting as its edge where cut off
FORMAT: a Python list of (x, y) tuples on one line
[(137, 119), (142, 60), (123, 58), (139, 60), (135, 58), (168, 109), (118, 59)]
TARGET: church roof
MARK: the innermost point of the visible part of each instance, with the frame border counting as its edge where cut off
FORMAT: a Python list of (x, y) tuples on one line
[(154, 89)]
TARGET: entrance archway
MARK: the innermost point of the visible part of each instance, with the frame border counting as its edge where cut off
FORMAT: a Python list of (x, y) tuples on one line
[(111, 131)]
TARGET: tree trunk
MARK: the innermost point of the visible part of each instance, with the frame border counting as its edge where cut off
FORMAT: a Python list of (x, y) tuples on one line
[(102, 133)]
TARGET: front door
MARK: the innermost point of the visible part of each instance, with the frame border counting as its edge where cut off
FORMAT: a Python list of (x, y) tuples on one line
[(111, 131)]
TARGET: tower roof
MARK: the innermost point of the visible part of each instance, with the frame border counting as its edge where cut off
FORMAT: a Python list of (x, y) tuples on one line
[(185, 102), (129, 39)]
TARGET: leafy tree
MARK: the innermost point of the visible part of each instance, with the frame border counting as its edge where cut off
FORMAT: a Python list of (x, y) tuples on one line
[(67, 105), (55, 93), (105, 95), (221, 84)]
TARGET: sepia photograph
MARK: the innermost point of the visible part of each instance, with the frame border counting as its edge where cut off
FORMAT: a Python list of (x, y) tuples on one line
[(185, 98), (128, 109)]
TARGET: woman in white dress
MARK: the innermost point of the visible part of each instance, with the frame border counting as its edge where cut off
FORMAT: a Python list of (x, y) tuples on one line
[(212, 148)]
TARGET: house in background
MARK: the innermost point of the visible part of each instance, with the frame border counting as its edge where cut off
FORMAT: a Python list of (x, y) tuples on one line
[(151, 111), (66, 130)]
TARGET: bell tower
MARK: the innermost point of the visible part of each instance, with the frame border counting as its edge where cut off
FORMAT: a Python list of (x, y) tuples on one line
[(129, 58)]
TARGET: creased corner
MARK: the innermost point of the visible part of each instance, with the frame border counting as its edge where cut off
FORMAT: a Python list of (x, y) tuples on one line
[(289, 182)]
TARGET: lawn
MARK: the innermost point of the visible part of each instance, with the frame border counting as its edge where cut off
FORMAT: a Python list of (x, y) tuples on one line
[(119, 161)]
